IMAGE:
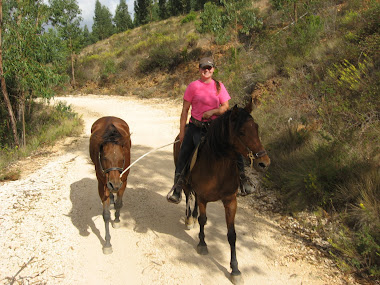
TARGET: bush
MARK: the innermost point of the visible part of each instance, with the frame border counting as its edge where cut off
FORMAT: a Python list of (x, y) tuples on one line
[(189, 17), (305, 34)]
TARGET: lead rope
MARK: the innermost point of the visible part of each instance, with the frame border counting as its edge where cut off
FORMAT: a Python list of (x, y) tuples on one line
[(153, 150)]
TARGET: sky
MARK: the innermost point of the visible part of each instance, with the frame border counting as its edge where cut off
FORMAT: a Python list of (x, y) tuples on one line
[(88, 9)]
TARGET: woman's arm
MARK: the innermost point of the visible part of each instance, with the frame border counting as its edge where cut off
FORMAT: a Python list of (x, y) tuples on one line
[(216, 112)]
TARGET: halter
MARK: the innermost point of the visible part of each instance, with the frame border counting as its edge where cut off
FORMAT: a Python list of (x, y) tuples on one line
[(252, 156), (111, 168)]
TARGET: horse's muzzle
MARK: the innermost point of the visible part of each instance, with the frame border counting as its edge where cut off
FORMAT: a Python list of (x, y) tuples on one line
[(261, 164), (114, 186)]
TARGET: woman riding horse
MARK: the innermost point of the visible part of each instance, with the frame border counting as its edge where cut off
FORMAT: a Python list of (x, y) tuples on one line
[(208, 99)]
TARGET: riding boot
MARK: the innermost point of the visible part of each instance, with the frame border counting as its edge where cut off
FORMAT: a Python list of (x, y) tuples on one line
[(246, 186), (175, 194)]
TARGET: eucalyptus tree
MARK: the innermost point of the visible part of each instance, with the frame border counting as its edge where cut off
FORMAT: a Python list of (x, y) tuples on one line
[(65, 18), (26, 71), (30, 57), (4, 85), (122, 19)]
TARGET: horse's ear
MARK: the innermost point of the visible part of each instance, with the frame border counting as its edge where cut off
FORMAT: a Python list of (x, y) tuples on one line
[(249, 106)]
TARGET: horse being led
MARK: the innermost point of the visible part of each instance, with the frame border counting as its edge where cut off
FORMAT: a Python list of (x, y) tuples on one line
[(215, 175), (110, 151)]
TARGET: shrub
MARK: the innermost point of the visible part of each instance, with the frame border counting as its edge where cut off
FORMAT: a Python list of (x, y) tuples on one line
[(189, 17), (305, 34)]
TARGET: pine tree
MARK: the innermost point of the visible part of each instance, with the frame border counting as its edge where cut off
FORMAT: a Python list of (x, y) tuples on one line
[(162, 10), (102, 27), (122, 18), (142, 8)]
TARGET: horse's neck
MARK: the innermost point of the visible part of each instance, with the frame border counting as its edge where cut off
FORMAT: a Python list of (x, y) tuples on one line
[(226, 163)]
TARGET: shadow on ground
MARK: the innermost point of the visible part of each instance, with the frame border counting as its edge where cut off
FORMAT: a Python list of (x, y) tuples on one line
[(146, 208)]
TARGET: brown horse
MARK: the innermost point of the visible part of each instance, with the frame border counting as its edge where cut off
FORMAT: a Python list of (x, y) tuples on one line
[(110, 151), (214, 175)]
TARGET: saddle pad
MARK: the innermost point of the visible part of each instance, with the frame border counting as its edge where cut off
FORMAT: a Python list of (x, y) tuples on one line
[(194, 157)]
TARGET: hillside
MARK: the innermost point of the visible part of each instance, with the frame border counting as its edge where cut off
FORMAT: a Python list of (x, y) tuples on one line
[(312, 69)]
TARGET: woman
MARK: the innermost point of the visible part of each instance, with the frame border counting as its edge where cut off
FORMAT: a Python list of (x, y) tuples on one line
[(208, 99)]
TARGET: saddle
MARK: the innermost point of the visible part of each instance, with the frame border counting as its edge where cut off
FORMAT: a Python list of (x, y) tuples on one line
[(190, 164)]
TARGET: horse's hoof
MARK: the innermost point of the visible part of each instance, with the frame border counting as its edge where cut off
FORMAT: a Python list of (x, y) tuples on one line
[(237, 279), (116, 225), (107, 250), (202, 249)]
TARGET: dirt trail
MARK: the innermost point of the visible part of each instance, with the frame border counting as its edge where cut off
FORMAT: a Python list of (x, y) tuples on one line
[(52, 230)]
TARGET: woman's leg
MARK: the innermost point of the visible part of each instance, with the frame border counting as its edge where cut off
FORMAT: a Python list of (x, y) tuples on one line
[(187, 148)]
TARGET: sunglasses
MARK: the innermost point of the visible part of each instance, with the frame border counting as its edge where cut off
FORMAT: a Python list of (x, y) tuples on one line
[(207, 67)]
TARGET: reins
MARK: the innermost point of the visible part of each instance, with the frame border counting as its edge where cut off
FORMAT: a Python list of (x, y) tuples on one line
[(153, 150)]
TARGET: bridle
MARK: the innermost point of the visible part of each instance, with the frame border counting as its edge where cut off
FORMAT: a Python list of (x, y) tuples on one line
[(111, 168), (251, 155)]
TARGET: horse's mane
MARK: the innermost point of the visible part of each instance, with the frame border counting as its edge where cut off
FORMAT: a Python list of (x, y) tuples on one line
[(217, 138), (112, 135)]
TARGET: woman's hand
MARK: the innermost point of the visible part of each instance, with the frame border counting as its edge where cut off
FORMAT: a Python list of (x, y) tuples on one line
[(208, 114), (216, 112)]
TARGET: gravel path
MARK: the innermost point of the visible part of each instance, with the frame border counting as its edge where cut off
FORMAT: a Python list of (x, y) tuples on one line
[(52, 230)]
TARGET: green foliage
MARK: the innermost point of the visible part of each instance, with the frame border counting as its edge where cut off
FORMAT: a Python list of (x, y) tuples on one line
[(102, 27), (162, 57), (192, 16), (142, 8), (44, 126), (305, 35), (122, 19), (213, 22)]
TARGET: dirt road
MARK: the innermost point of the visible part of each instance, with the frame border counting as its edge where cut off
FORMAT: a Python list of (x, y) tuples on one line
[(52, 230)]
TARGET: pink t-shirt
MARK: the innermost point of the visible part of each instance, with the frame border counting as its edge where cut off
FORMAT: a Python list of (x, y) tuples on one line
[(204, 97)]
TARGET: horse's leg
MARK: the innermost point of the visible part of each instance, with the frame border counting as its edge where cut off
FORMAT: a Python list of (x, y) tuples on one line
[(107, 249), (118, 206), (191, 203), (188, 217), (230, 206), (195, 210), (202, 219)]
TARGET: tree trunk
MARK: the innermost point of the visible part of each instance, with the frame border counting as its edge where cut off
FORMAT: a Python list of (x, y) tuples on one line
[(72, 65), (22, 117), (3, 84)]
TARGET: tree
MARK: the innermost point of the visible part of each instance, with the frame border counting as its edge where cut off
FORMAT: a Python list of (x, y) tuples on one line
[(142, 10), (122, 18), (65, 18), (3, 83), (162, 9), (199, 4), (26, 70), (87, 37), (102, 27)]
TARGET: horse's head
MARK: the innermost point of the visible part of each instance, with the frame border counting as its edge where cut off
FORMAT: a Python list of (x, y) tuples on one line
[(111, 164), (245, 137)]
